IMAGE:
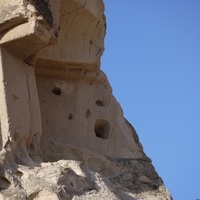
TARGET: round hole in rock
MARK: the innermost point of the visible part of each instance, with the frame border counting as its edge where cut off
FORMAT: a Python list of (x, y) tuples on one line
[(99, 103), (102, 129), (56, 91)]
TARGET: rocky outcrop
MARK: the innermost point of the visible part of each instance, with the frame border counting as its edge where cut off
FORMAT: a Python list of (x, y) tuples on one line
[(63, 134)]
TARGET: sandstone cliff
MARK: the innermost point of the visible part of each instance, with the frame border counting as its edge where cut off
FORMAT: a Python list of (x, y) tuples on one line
[(62, 133)]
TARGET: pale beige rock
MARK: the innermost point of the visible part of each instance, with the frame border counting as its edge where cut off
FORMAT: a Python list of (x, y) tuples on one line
[(86, 115), (62, 133), (24, 28), (81, 36), (31, 36), (13, 13), (20, 113)]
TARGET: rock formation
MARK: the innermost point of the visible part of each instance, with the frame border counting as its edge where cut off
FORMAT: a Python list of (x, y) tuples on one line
[(62, 133)]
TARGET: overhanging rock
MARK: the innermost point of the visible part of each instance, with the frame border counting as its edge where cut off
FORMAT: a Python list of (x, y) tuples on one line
[(28, 25), (81, 37)]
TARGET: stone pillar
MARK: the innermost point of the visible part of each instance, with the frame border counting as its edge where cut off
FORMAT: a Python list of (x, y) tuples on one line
[(25, 28), (20, 113)]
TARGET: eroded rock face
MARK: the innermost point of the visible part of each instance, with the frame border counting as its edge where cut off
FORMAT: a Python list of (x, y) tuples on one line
[(62, 133)]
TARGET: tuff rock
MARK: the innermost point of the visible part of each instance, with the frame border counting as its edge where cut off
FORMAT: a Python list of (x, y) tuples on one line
[(62, 132)]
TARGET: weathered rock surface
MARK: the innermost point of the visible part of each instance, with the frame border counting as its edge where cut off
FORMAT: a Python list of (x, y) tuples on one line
[(62, 133)]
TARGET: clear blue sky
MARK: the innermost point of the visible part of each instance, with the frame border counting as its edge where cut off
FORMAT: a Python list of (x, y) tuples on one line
[(152, 60)]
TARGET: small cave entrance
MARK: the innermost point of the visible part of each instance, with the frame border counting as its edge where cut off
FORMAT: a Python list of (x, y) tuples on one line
[(102, 129)]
